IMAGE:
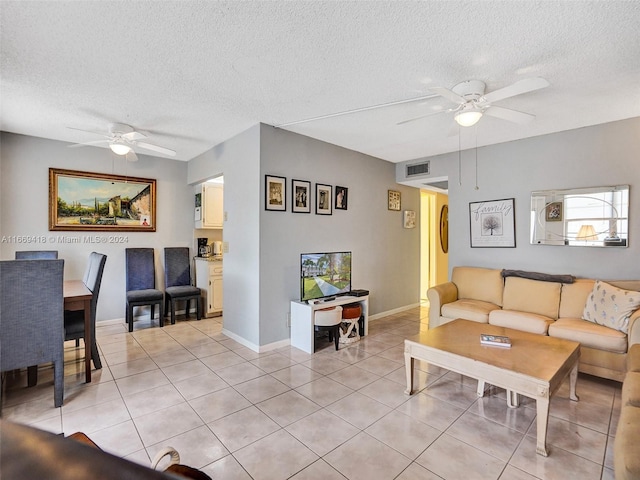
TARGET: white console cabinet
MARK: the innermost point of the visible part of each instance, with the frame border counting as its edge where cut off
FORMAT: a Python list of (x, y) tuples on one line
[(302, 328), (209, 281)]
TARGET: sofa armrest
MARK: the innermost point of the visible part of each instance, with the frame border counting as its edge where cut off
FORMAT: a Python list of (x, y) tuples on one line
[(438, 296), (633, 335)]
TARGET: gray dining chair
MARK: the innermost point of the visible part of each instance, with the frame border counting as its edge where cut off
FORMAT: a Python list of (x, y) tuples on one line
[(74, 321), (177, 281), (31, 317), (36, 254), (141, 283)]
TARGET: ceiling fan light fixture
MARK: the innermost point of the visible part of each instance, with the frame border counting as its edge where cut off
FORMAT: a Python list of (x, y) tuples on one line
[(119, 148), (468, 118)]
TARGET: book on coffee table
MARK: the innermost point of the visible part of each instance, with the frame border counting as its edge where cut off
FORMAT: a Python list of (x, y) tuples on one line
[(495, 340)]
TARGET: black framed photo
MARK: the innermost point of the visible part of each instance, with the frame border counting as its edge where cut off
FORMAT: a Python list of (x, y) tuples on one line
[(493, 223), (300, 196), (275, 193), (342, 195), (323, 199)]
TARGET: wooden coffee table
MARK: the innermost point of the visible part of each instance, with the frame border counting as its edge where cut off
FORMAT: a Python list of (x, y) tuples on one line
[(535, 365)]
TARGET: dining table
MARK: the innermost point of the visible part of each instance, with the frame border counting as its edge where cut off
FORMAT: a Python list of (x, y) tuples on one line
[(77, 296)]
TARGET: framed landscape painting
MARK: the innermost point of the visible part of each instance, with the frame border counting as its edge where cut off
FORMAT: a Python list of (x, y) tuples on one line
[(101, 202)]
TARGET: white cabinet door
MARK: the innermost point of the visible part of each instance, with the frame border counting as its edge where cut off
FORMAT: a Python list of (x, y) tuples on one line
[(216, 293), (209, 281), (212, 203)]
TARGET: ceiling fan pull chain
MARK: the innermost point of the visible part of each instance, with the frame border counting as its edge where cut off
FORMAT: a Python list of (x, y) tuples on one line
[(476, 131), (459, 157)]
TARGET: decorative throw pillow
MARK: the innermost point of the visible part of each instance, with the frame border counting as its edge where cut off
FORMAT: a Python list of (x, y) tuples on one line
[(611, 306)]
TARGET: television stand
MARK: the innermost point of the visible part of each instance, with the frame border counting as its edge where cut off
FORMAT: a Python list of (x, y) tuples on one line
[(321, 300), (302, 327)]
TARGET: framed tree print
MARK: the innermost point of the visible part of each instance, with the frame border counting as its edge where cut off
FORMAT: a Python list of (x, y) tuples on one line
[(300, 196), (493, 223), (275, 193), (323, 199)]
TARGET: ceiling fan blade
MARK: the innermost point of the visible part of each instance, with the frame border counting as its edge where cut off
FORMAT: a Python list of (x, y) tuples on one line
[(449, 95), (86, 144), (131, 136), (156, 148), (518, 88), (102, 134), (510, 115), (424, 116), (131, 156)]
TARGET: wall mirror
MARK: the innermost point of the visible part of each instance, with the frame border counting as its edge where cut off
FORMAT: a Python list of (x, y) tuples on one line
[(588, 217)]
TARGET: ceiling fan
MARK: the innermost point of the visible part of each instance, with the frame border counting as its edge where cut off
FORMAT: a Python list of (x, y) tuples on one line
[(122, 139), (472, 102)]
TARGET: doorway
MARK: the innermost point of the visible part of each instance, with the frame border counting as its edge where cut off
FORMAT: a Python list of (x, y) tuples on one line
[(434, 227)]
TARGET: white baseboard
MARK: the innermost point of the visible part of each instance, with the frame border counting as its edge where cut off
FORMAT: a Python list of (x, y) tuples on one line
[(275, 345), (253, 346), (392, 312), (145, 316)]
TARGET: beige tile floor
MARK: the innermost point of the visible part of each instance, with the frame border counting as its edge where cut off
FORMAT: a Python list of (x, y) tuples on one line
[(236, 414)]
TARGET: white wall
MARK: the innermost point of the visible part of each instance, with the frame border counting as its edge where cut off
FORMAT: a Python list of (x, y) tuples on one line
[(24, 209), (592, 156)]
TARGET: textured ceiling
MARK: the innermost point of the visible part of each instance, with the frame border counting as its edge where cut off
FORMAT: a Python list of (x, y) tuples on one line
[(195, 73)]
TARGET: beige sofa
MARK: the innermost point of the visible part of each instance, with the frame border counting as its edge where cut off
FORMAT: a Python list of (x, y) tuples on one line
[(553, 308), (626, 449)]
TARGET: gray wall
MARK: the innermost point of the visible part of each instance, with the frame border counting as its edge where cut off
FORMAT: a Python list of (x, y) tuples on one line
[(592, 156), (385, 256), (261, 270), (239, 160), (24, 209)]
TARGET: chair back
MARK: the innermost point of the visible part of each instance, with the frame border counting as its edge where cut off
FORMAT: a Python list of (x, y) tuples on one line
[(93, 278), (140, 269), (177, 270), (31, 312), (37, 255)]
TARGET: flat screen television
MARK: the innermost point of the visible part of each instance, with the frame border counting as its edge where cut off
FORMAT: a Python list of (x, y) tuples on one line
[(324, 275)]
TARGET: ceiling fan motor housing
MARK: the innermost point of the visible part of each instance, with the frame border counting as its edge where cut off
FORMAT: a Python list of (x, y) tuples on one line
[(120, 129), (470, 89)]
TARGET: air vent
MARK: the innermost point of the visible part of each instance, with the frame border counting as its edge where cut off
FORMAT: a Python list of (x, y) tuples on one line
[(418, 169)]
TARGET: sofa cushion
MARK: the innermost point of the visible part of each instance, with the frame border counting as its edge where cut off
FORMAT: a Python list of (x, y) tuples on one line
[(479, 284), (633, 358), (611, 306), (589, 334), (573, 297), (527, 322), (631, 389), (625, 456), (468, 309), (532, 296)]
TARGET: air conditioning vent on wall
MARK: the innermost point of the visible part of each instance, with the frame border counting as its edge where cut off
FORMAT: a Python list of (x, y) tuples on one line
[(418, 169)]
